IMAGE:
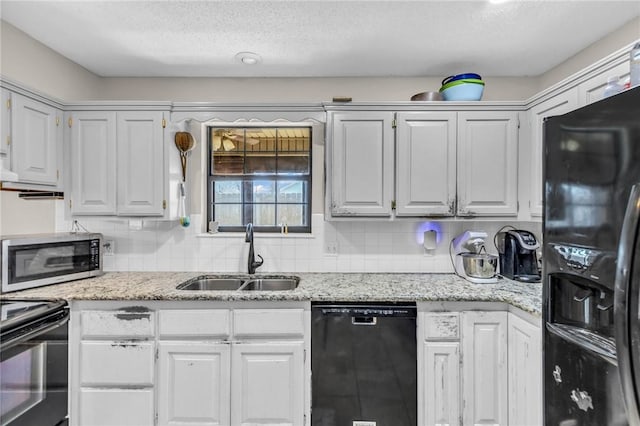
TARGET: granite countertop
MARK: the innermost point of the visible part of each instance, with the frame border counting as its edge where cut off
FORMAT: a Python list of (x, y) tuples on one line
[(348, 287)]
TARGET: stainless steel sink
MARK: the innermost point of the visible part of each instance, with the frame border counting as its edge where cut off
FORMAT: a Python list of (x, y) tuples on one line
[(244, 283), (211, 283), (271, 284)]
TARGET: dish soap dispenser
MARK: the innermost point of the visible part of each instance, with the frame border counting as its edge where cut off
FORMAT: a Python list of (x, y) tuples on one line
[(634, 65), (613, 87)]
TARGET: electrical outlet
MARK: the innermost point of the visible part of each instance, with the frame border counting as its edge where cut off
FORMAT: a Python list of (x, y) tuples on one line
[(109, 247), (331, 248)]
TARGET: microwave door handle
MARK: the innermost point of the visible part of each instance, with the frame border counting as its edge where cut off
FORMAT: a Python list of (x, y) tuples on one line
[(626, 254)]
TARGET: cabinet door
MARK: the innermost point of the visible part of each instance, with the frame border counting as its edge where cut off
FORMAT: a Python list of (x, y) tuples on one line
[(361, 156), (525, 374), (592, 90), (193, 383), (441, 383), (488, 163), (484, 378), (93, 163), (140, 162), (426, 164), (5, 128), (35, 127), (267, 384), (117, 363), (560, 104), (115, 407)]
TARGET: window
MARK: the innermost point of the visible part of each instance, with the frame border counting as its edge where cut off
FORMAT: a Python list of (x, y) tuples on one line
[(260, 175)]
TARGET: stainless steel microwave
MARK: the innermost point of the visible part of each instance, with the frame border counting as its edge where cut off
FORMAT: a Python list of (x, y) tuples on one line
[(36, 260)]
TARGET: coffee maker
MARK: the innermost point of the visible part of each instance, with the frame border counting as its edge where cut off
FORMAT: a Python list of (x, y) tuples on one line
[(518, 259)]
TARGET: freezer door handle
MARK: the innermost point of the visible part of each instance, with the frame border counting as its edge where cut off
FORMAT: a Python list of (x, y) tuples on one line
[(604, 347), (621, 302)]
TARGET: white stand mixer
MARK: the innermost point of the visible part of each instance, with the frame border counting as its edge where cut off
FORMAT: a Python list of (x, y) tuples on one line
[(470, 244)]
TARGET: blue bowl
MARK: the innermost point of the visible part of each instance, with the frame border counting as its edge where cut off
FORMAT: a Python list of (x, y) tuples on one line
[(460, 77), (463, 92)]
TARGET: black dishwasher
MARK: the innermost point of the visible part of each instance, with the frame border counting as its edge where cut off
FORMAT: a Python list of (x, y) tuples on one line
[(363, 362)]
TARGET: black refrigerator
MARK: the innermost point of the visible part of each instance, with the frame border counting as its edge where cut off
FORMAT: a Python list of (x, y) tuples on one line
[(591, 264)]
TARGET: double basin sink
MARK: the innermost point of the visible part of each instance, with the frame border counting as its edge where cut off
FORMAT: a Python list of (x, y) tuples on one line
[(242, 283)]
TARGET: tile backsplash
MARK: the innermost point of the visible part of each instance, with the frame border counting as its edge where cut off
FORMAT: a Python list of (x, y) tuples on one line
[(349, 246)]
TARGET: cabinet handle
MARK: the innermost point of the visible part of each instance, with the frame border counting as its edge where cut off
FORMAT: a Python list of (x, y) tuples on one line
[(8, 103), (70, 121), (57, 121)]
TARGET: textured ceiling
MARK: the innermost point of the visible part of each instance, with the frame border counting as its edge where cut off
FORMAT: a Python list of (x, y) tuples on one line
[(318, 38)]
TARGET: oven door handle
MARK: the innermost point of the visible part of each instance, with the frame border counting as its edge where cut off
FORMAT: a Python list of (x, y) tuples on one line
[(626, 254), (22, 338)]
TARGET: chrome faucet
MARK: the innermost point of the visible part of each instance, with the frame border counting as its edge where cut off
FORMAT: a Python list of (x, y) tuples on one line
[(251, 261)]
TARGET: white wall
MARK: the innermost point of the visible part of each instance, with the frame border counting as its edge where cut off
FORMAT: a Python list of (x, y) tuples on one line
[(18, 216), (36, 66), (371, 246), (300, 89), (618, 39), (362, 246)]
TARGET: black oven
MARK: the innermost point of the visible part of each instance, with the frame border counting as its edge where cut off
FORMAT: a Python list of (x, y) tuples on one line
[(33, 363)]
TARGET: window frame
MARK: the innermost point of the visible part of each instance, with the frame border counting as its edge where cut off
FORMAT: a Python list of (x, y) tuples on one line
[(248, 179)]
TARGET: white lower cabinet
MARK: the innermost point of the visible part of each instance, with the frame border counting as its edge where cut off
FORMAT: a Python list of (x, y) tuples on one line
[(115, 407), (525, 372), (479, 368), (184, 364), (267, 384), (484, 370), (442, 383), (194, 383), (112, 367)]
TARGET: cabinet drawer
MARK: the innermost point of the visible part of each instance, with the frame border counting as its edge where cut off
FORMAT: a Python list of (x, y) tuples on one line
[(194, 322), (116, 363), (441, 326), (268, 322), (134, 322), (122, 407)]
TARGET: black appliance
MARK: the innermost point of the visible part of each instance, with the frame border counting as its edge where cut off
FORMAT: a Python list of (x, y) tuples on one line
[(364, 366), (517, 253), (590, 233), (33, 362)]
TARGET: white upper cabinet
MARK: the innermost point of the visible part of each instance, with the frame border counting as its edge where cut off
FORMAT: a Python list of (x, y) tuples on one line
[(117, 163), (5, 130), (592, 90), (426, 163), (487, 163), (362, 164), (93, 163), (36, 135), (140, 160), (446, 163), (5, 127), (559, 104)]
